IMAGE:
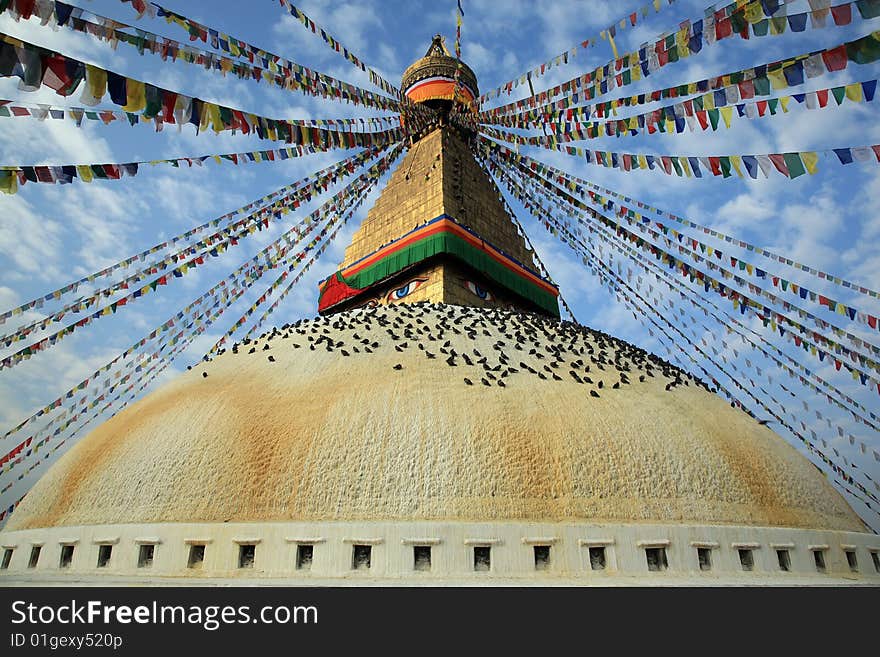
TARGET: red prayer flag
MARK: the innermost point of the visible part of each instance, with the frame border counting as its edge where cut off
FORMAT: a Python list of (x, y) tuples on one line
[(822, 96), (779, 162), (703, 118), (169, 98), (716, 166), (835, 59), (723, 29), (20, 111), (746, 89), (842, 14)]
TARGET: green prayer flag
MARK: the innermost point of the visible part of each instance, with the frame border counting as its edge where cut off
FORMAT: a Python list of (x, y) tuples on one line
[(869, 8), (773, 105), (738, 22), (725, 166), (676, 166), (839, 94), (794, 164), (864, 50), (761, 28), (762, 86), (713, 118)]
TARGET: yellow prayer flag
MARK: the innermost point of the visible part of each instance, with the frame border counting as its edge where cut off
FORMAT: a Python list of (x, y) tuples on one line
[(136, 96), (686, 166), (213, 112), (656, 5), (736, 161), (96, 78), (727, 115), (854, 92), (708, 101), (754, 12), (9, 183), (784, 101), (84, 172), (777, 79), (643, 162), (810, 160), (692, 88)]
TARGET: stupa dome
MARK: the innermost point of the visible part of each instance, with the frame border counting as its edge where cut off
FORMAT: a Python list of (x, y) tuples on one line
[(320, 435)]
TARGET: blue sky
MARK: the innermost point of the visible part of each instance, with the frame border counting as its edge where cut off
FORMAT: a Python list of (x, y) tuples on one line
[(50, 235)]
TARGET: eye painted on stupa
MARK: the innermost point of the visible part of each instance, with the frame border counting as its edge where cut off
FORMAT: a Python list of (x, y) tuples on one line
[(481, 292), (405, 290)]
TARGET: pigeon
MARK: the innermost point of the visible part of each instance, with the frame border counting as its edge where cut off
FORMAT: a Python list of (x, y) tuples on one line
[(398, 366)]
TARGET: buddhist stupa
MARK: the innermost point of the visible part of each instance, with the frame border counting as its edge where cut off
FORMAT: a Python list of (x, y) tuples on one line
[(436, 423)]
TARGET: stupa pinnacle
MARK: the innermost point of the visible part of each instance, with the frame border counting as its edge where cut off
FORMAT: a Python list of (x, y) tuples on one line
[(439, 231)]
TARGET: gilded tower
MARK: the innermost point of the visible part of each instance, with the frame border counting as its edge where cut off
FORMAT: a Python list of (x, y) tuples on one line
[(439, 231)]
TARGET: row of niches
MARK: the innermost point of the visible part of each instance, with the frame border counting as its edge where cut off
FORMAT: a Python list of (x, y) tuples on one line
[(481, 557)]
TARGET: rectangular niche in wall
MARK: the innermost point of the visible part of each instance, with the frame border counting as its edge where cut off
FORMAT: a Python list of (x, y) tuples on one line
[(146, 552), (35, 556), (105, 551), (598, 560), (66, 556), (482, 558), (304, 554), (361, 557), (783, 557), (422, 557), (542, 557), (656, 559), (196, 556), (247, 552)]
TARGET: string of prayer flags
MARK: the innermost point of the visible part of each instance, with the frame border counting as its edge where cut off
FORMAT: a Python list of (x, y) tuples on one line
[(650, 59), (317, 254), (36, 66), (701, 302), (11, 176), (715, 92), (336, 45), (608, 34), (356, 191), (790, 165), (701, 113), (318, 180), (41, 112), (536, 166), (244, 61), (228, 235)]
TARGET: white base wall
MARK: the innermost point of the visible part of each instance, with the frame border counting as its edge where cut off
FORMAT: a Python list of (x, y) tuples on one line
[(511, 544)]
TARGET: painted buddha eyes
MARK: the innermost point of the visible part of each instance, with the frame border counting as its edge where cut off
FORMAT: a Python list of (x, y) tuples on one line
[(405, 289), (481, 292)]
